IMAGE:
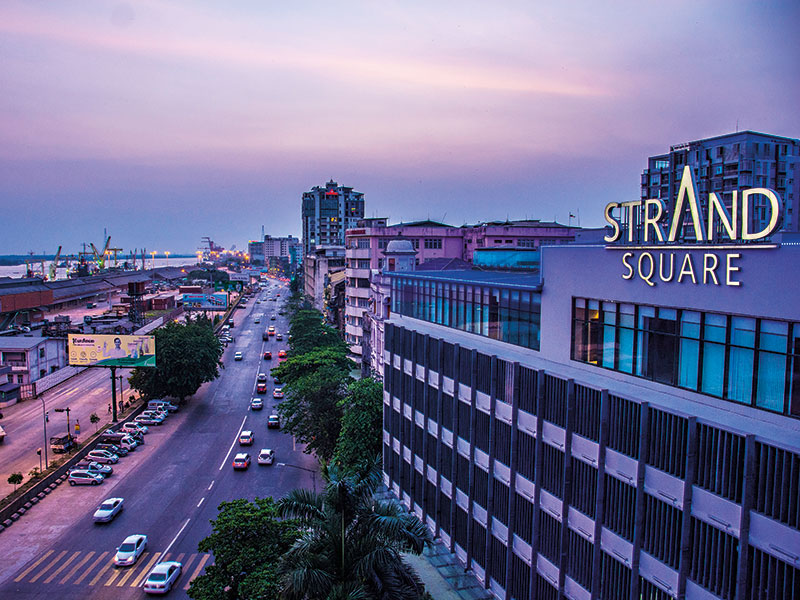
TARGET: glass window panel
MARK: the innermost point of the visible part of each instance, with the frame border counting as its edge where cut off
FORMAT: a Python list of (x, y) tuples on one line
[(687, 370), (771, 384), (740, 375), (743, 332), (690, 324), (713, 368), (773, 336), (609, 334)]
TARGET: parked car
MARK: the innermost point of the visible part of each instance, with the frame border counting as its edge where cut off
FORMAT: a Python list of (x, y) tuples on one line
[(113, 448), (148, 420), (274, 422), (102, 456), (156, 412), (277, 393), (133, 427), (246, 438), (241, 461), (266, 456), (80, 477), (109, 509), (130, 550), (256, 404), (162, 577), (238, 356), (93, 467)]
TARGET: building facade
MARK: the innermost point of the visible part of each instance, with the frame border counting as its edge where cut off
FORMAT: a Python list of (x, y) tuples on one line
[(327, 212), (31, 358), (586, 434), (728, 163), (317, 270), (431, 240)]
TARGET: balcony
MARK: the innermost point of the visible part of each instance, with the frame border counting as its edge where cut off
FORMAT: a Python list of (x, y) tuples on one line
[(351, 252), (358, 273), (355, 292), (745, 165)]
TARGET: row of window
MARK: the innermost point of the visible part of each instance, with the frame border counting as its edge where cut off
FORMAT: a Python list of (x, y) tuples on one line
[(509, 315), (742, 359)]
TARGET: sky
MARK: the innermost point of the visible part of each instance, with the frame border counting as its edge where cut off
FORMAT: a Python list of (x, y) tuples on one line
[(167, 121)]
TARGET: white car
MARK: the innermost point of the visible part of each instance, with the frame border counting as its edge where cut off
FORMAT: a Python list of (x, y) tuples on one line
[(130, 550), (266, 456), (132, 427), (238, 356), (162, 577), (108, 510), (104, 457), (81, 477)]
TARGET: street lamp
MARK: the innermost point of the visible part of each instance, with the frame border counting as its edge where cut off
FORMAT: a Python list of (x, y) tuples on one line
[(153, 254), (312, 471), (167, 253), (121, 397)]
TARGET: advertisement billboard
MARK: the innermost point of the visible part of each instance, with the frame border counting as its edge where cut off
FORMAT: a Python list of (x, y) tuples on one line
[(111, 350), (239, 277), (205, 301)]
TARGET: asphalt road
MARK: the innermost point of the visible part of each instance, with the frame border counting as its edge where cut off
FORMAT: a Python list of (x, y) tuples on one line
[(172, 486)]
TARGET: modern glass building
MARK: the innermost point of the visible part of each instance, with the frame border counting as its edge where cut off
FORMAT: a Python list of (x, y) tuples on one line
[(587, 435)]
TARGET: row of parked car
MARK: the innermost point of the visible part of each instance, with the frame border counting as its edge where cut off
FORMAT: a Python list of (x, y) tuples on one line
[(96, 466)]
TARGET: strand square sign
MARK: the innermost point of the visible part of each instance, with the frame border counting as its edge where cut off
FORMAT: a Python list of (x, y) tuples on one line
[(111, 350)]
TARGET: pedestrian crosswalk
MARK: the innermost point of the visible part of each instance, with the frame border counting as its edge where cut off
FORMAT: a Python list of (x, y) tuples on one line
[(91, 568)]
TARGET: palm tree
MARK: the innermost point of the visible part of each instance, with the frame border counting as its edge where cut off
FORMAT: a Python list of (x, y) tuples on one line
[(351, 546)]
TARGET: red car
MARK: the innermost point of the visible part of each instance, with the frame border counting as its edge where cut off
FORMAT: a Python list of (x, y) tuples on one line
[(267, 355), (281, 353), (261, 388)]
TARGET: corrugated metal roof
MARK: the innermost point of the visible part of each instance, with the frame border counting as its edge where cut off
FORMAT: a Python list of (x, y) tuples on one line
[(20, 342), (526, 280)]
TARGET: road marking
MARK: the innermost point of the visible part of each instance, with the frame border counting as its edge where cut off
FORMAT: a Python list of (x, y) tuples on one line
[(52, 562), (188, 563), (89, 570), (63, 566), (131, 571), (116, 573), (210, 486), (180, 531), (197, 570), (74, 569), (22, 575), (146, 570), (236, 439), (201, 501), (102, 572)]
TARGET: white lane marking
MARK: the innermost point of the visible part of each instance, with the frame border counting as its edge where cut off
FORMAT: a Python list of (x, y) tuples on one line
[(201, 501), (210, 486), (236, 439), (180, 531)]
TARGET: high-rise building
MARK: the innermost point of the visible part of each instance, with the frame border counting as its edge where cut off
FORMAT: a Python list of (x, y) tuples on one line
[(728, 163), (327, 213), (604, 429)]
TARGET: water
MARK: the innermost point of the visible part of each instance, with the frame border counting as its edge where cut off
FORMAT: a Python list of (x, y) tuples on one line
[(17, 271)]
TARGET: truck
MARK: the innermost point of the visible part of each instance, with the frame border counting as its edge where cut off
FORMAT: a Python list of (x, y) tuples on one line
[(62, 443)]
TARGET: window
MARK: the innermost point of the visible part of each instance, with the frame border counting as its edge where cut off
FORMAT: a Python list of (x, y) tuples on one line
[(41, 352), (433, 244), (362, 244)]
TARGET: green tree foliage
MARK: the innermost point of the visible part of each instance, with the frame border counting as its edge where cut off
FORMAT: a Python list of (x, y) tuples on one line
[(247, 540), (360, 437), (94, 420), (310, 332), (187, 356), (315, 383), (15, 479), (350, 545)]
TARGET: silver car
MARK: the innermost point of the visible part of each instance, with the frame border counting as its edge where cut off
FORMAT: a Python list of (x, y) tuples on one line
[(102, 456), (130, 550), (162, 577), (108, 510), (79, 477)]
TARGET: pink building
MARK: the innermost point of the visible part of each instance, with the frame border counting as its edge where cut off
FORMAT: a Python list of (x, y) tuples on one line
[(366, 242)]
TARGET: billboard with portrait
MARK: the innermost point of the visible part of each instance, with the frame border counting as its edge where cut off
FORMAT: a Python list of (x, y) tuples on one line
[(205, 301), (111, 350)]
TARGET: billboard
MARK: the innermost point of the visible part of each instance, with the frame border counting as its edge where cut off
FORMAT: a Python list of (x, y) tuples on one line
[(111, 350), (205, 301), (239, 277)]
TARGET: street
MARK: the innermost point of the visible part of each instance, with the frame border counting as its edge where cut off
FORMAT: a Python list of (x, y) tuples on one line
[(172, 485)]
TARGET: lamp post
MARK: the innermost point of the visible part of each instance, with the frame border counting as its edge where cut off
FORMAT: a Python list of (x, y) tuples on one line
[(44, 423), (153, 254), (121, 397), (312, 471), (167, 254)]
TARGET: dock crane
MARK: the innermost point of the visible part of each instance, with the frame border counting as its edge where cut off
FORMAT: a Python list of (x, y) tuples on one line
[(100, 257), (54, 264)]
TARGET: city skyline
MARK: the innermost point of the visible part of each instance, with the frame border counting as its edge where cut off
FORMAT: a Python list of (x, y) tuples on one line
[(166, 122)]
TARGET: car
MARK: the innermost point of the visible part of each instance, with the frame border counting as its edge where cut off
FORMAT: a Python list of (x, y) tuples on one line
[(94, 467), (81, 477), (238, 356), (102, 456), (281, 353), (261, 388), (256, 404), (241, 461), (130, 550), (148, 420), (162, 577), (109, 509), (267, 355), (277, 393), (156, 412), (133, 427), (274, 422), (261, 378), (257, 320), (113, 448), (278, 337), (266, 456), (271, 330), (246, 438), (272, 318), (276, 381)]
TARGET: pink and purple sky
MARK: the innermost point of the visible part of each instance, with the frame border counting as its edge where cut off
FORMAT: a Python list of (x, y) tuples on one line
[(166, 121)]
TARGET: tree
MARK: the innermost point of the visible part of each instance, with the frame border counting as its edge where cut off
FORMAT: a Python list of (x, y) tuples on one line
[(247, 541), (315, 383), (187, 356), (94, 420), (350, 544), (310, 332), (362, 412), (15, 479)]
